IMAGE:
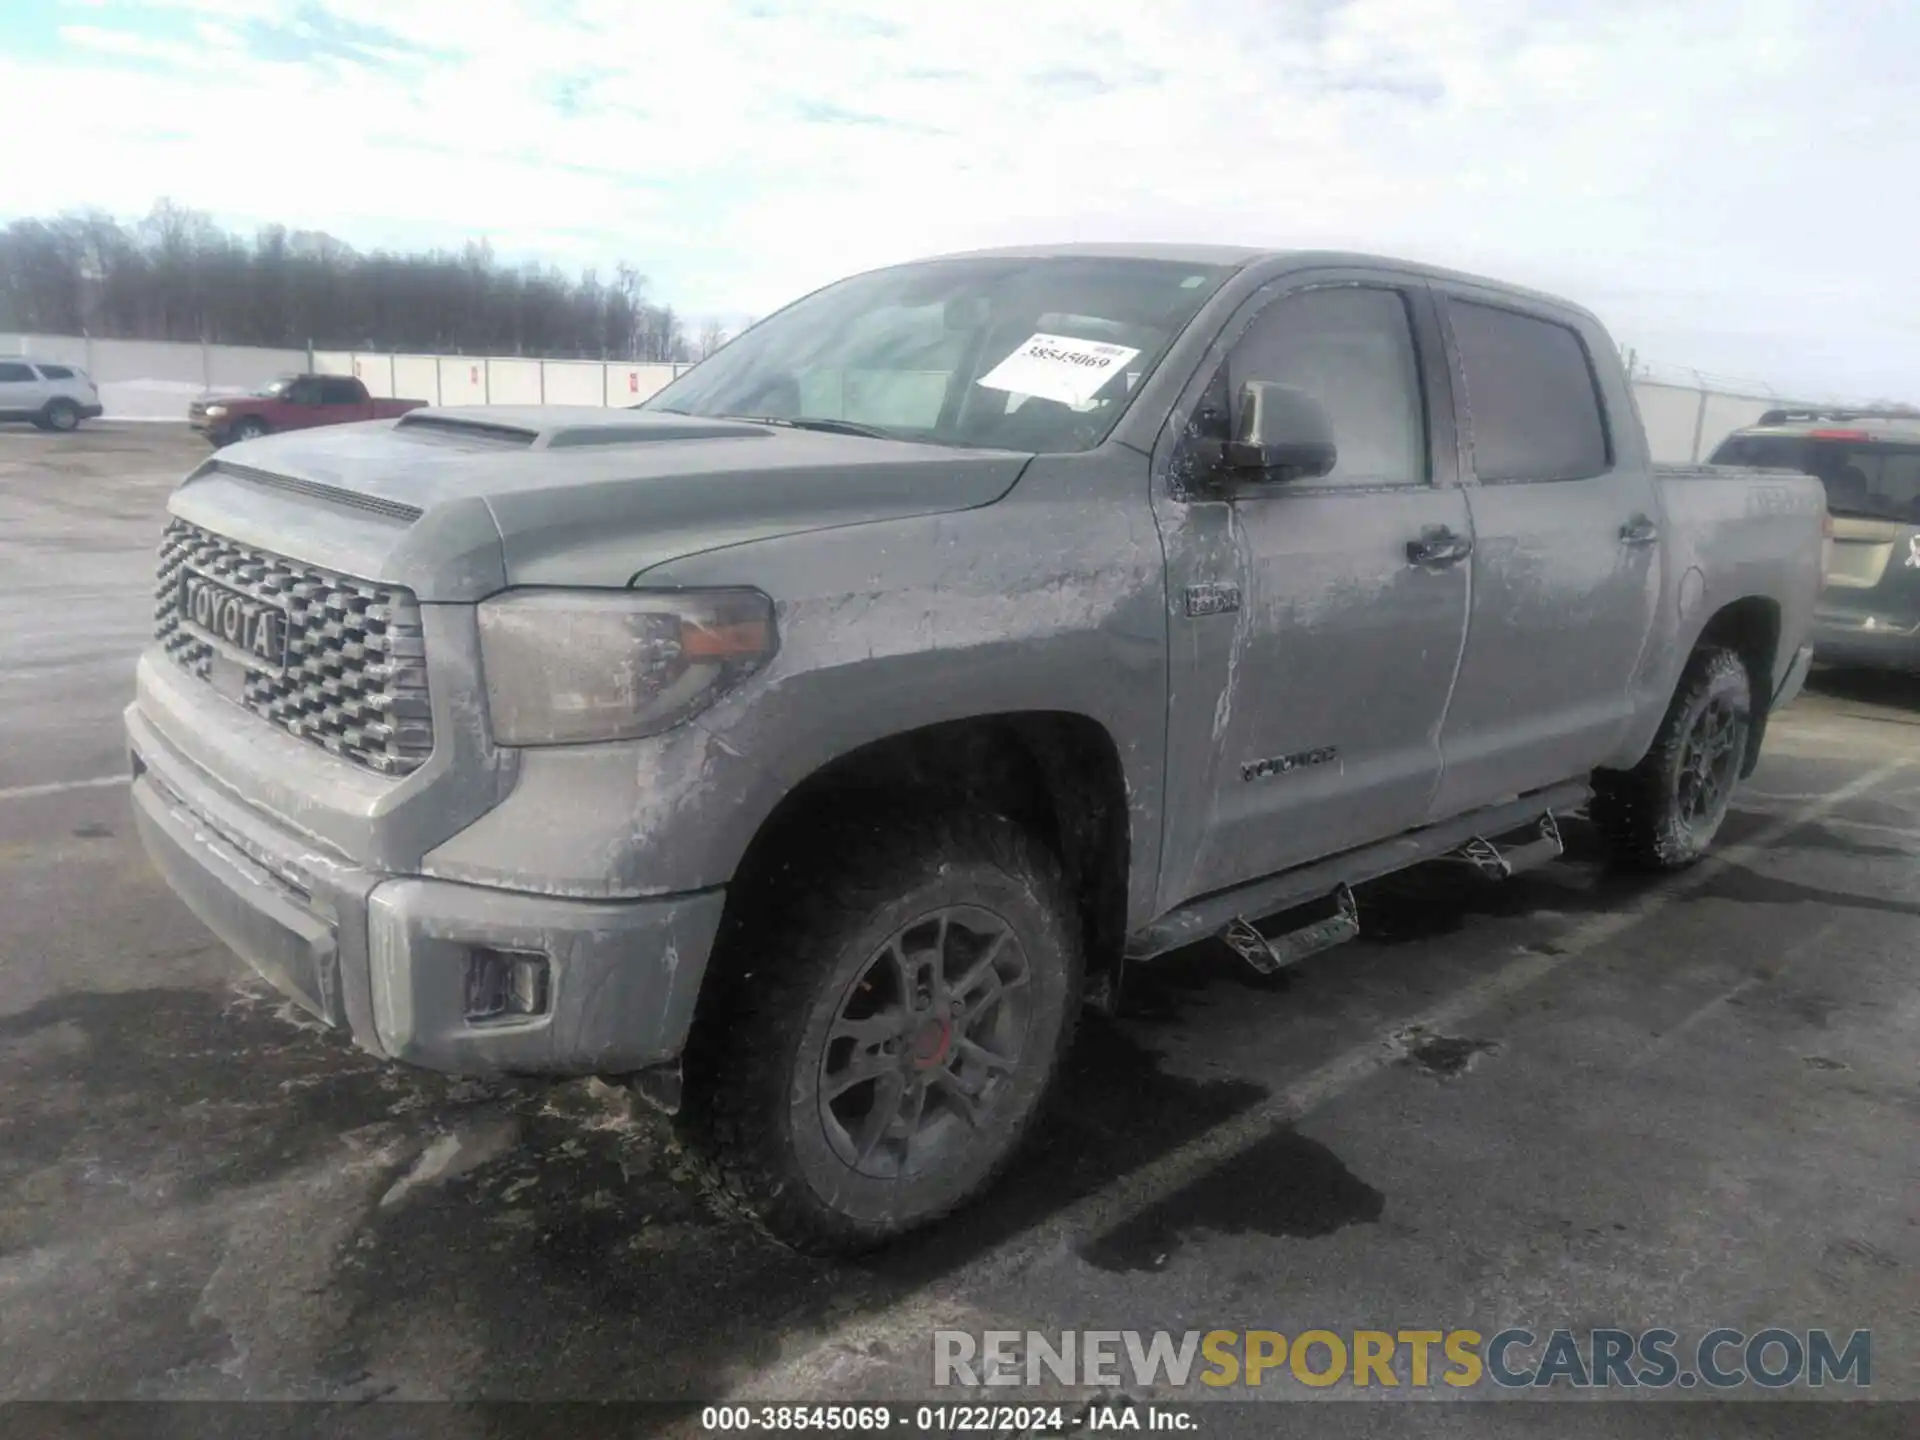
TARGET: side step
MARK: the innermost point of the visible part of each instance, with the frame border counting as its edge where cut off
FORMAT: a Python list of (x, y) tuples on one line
[(1216, 913), (1503, 858), (1268, 953)]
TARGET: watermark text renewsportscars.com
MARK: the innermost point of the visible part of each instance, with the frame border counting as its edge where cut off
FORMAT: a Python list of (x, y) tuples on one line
[(1720, 1359)]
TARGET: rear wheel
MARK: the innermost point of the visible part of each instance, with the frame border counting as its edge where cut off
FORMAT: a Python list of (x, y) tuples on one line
[(886, 1024), (61, 415), (1664, 813)]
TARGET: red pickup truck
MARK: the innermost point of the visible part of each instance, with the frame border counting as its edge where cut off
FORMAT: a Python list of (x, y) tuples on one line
[(293, 402)]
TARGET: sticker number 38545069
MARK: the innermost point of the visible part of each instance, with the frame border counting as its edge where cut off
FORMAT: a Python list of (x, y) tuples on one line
[(1058, 367)]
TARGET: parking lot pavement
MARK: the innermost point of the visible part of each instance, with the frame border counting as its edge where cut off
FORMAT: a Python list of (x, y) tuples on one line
[(1575, 1099)]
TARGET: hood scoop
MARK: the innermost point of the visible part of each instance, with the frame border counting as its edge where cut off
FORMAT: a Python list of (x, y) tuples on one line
[(500, 427)]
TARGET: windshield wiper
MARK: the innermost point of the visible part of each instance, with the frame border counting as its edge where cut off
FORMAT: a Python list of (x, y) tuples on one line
[(832, 427)]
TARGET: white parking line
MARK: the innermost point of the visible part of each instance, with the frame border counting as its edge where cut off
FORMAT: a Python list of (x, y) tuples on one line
[(912, 1318), (99, 782)]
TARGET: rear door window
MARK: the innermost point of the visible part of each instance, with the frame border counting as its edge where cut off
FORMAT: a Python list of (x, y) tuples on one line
[(1876, 482), (1532, 406), (339, 392), (12, 373)]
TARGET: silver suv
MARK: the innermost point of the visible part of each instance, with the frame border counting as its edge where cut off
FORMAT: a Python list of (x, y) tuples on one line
[(53, 397)]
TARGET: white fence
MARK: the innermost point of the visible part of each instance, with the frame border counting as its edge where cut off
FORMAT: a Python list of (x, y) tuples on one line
[(151, 380), (155, 380)]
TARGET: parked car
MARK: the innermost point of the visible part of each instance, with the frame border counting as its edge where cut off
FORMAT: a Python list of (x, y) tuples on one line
[(808, 743), (53, 397), (293, 402), (1869, 463)]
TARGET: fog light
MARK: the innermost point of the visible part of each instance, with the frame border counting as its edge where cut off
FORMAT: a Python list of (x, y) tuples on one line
[(505, 985)]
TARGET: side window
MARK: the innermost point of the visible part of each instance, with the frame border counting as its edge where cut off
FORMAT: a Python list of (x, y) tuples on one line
[(14, 374), (1762, 452), (304, 392), (55, 372), (1352, 349), (339, 392), (1531, 401)]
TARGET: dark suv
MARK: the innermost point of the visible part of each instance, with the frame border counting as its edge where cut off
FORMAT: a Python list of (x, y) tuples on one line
[(1869, 462)]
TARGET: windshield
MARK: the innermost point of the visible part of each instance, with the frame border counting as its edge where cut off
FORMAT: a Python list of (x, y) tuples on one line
[(275, 389), (1878, 481), (1020, 354)]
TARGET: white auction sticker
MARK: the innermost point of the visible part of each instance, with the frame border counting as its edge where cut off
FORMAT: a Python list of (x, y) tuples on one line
[(1058, 367)]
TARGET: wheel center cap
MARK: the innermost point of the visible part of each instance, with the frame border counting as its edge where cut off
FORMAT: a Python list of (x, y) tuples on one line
[(930, 1044)]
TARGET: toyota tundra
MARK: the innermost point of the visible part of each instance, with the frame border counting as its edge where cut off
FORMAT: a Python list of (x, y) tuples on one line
[(807, 745)]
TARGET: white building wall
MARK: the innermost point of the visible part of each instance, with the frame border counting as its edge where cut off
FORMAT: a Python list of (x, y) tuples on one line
[(576, 382), (463, 380), (515, 382), (416, 377), (629, 384)]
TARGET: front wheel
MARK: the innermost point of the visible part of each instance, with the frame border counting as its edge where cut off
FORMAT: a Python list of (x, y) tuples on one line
[(250, 428), (887, 1023), (1664, 813)]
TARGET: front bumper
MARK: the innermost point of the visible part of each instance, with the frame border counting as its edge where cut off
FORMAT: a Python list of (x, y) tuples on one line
[(1866, 641), (388, 957)]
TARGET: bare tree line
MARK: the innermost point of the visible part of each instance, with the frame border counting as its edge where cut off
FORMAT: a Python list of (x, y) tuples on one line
[(176, 275)]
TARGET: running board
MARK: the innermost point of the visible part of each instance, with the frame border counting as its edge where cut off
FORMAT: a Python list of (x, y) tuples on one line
[(1500, 859), (1270, 953), (1212, 914)]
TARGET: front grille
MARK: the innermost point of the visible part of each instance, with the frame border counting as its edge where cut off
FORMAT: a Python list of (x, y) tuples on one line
[(355, 680)]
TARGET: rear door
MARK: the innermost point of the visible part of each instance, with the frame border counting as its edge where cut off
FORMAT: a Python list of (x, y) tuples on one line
[(1310, 654), (21, 392), (342, 400), (1566, 526)]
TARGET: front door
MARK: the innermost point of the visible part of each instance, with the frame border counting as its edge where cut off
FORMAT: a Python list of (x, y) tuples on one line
[(1311, 652), (300, 407), (1566, 574)]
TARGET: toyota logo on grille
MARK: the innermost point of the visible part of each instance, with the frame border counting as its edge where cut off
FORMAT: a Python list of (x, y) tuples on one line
[(247, 629)]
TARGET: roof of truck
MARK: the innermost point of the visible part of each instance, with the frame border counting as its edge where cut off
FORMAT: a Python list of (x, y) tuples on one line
[(1238, 257)]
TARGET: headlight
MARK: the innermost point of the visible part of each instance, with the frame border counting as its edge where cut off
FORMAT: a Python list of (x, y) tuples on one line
[(214, 412), (564, 666)]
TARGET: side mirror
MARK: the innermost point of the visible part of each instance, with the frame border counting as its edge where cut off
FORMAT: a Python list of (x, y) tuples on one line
[(1284, 433)]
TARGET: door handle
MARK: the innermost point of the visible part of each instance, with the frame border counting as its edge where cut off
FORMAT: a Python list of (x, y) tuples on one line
[(1639, 531), (1438, 546)]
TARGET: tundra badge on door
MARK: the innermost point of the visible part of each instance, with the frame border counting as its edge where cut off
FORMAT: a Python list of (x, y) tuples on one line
[(1212, 599)]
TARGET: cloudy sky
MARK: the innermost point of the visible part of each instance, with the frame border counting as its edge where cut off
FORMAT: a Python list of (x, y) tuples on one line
[(1733, 184)]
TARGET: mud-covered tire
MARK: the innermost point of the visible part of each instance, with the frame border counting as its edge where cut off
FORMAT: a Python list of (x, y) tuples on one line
[(813, 944), (1656, 816)]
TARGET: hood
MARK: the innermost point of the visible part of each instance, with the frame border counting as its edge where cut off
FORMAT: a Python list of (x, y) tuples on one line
[(458, 503)]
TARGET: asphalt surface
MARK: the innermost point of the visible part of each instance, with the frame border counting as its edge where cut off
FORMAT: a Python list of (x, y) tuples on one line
[(1576, 1099)]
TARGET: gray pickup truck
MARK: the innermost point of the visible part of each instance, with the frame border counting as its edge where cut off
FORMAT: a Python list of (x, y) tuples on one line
[(808, 745)]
